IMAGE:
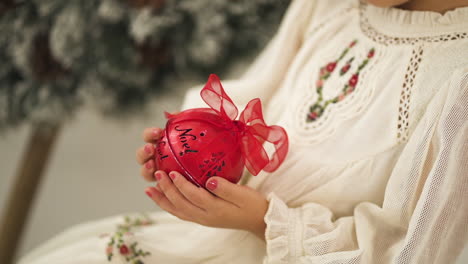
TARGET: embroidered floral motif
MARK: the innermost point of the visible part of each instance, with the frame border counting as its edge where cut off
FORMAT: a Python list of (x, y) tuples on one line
[(317, 109), (118, 245)]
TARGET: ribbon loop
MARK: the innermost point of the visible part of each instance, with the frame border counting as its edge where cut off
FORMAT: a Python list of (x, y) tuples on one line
[(255, 133), (214, 95)]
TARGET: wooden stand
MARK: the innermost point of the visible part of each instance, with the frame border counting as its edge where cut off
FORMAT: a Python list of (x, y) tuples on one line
[(22, 192)]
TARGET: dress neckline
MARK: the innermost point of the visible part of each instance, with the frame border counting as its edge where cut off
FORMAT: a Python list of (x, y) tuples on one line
[(395, 22)]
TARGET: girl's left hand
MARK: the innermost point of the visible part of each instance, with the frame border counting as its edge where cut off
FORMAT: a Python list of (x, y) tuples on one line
[(231, 206)]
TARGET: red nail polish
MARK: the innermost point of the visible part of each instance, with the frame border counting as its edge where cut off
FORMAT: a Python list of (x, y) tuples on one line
[(149, 165), (149, 194), (157, 175), (148, 149), (211, 185), (172, 175)]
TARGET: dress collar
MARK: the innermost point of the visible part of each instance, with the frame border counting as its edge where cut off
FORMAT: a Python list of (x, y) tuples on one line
[(397, 22)]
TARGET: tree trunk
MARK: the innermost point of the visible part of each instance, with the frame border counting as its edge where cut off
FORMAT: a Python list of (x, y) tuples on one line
[(25, 184)]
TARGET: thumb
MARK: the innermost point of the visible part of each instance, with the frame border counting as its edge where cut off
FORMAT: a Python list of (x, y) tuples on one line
[(227, 190)]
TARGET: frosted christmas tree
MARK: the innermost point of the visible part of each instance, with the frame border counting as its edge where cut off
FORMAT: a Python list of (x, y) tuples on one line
[(54, 53)]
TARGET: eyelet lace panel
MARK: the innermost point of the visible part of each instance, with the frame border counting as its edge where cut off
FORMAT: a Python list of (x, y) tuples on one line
[(404, 109)]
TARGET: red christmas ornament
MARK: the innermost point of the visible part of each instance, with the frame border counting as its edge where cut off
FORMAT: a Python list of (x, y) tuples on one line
[(204, 142)]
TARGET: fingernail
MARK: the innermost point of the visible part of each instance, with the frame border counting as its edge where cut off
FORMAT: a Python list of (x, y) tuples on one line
[(158, 175), (148, 149), (148, 193), (172, 175), (149, 165), (211, 185)]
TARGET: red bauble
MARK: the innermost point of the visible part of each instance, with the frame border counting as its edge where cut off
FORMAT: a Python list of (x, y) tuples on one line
[(199, 149), (204, 142)]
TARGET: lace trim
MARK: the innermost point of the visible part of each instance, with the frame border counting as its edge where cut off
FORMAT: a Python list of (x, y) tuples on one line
[(386, 40), (403, 116)]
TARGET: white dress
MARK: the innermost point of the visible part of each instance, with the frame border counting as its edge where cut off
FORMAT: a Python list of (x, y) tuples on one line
[(375, 103)]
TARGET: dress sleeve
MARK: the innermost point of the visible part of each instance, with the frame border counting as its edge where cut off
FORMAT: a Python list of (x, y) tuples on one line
[(424, 215), (265, 75)]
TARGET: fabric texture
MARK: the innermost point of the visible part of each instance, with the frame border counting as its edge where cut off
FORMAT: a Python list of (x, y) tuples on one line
[(378, 176)]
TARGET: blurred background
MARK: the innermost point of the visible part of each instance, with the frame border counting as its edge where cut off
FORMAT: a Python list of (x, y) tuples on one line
[(81, 79)]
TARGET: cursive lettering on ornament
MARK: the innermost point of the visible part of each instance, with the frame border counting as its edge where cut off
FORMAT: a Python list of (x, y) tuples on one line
[(184, 137), (160, 153)]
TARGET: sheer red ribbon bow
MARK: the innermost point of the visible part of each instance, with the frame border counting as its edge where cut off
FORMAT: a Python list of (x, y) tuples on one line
[(254, 131)]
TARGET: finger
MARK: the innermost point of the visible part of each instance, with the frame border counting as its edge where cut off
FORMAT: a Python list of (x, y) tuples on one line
[(158, 187), (147, 171), (160, 199), (152, 134), (144, 153), (175, 197), (236, 194), (198, 196)]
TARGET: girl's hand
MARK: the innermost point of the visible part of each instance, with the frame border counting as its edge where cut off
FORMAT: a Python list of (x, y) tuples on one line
[(145, 154), (231, 206)]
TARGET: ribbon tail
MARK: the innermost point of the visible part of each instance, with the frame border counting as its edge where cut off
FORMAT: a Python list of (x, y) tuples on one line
[(278, 137), (257, 132), (214, 95), (255, 156)]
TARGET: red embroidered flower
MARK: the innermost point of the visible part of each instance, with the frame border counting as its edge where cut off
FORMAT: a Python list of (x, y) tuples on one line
[(313, 115), (341, 97), (323, 71), (349, 90), (371, 53), (352, 43), (319, 83), (353, 80), (345, 68), (109, 250), (124, 250), (331, 66)]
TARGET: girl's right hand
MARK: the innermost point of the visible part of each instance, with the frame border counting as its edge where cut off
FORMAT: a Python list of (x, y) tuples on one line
[(145, 154)]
